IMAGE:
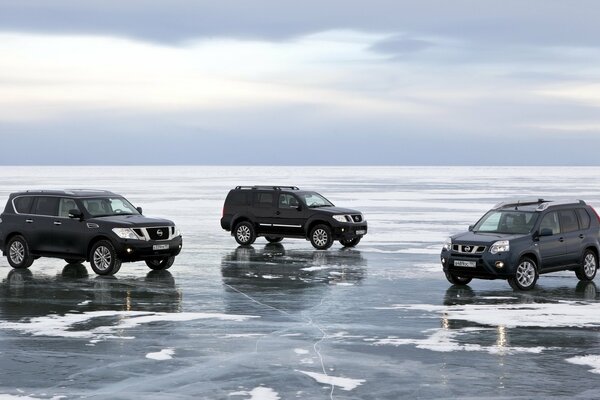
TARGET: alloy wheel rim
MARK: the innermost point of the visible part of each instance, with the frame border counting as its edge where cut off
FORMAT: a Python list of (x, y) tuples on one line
[(102, 258), (17, 252), (243, 233), (589, 265), (525, 273), (320, 237)]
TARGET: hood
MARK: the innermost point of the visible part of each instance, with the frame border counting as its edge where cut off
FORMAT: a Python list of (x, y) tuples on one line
[(484, 238), (132, 221), (335, 210)]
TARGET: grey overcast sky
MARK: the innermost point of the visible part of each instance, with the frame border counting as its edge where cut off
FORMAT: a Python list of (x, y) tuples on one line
[(461, 82)]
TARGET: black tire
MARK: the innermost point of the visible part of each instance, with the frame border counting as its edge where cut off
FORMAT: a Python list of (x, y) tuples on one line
[(244, 233), (273, 239), (526, 275), (350, 242), (17, 253), (320, 237), (103, 258), (589, 266), (74, 260), (457, 280), (160, 263)]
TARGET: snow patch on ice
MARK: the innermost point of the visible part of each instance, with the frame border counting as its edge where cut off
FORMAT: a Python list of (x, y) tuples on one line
[(301, 351), (590, 361), (343, 383), (84, 303), (164, 354), (309, 269), (258, 393)]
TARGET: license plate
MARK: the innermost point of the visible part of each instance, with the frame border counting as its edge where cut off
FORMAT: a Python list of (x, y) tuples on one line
[(461, 263), (361, 232), (160, 247)]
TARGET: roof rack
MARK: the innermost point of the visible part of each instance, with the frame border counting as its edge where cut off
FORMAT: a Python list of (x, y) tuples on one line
[(268, 187), (544, 206), (521, 202)]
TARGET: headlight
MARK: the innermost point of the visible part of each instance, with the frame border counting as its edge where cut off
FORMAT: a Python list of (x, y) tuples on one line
[(500, 246), (125, 233), (176, 231), (448, 244), (340, 218)]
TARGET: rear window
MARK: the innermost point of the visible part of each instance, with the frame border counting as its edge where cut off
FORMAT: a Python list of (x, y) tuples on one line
[(584, 218), (568, 221), (23, 204), (264, 199), (238, 198), (46, 206)]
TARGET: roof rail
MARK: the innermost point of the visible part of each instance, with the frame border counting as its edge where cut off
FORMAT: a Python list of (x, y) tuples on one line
[(544, 206), (268, 187), (521, 202)]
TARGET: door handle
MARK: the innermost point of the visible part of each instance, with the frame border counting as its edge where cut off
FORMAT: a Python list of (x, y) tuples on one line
[(581, 236), (29, 221), (57, 223), (561, 240), (277, 212)]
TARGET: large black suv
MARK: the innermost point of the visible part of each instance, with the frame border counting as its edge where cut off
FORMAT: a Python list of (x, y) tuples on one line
[(519, 240), (78, 225), (276, 212)]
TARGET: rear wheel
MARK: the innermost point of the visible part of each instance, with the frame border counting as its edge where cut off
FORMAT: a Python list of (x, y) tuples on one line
[(320, 237), (160, 263), (18, 253), (589, 266), (273, 239), (244, 233), (457, 280), (525, 276), (350, 242), (103, 258)]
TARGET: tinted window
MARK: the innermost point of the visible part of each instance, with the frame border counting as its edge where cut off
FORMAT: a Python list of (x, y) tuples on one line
[(584, 218), (264, 199), (568, 221), (288, 201), (23, 204), (65, 205), (550, 221), (46, 206), (238, 198)]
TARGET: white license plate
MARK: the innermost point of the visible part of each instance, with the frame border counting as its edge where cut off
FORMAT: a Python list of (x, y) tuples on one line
[(461, 263), (361, 232), (160, 247)]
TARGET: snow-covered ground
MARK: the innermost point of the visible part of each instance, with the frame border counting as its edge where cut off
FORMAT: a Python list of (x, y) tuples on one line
[(284, 321)]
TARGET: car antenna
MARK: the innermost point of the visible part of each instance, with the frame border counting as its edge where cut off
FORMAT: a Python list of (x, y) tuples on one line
[(517, 205)]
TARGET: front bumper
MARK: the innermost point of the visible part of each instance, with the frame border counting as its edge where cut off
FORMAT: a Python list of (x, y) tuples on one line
[(138, 250), (349, 231), (487, 265)]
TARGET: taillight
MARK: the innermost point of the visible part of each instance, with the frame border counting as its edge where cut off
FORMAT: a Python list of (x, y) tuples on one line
[(597, 216)]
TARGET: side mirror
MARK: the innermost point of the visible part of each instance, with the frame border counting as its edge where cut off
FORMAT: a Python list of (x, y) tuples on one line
[(139, 209), (470, 228), (546, 232), (75, 214)]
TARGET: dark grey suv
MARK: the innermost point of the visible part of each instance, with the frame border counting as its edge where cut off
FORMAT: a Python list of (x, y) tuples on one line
[(519, 240)]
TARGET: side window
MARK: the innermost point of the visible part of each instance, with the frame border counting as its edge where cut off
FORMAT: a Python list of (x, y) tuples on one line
[(288, 201), (550, 221), (584, 218), (238, 198), (65, 205), (46, 206), (263, 199), (568, 221), (23, 204)]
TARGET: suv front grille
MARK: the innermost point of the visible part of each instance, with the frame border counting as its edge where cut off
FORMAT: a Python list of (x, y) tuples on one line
[(161, 233), (468, 248), (356, 217)]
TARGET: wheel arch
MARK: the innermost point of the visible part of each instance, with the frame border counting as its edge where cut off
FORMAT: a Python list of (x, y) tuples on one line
[(92, 242), (311, 224), (237, 219), (532, 255), (594, 249)]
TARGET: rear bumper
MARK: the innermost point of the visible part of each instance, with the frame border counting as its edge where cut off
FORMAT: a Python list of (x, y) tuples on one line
[(486, 265), (138, 250)]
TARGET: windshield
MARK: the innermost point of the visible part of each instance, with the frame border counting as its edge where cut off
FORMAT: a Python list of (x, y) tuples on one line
[(107, 206), (513, 221), (314, 200)]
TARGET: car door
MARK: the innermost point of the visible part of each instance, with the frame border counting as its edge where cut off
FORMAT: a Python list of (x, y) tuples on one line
[(290, 215), (69, 234), (569, 226), (552, 247), (264, 210), (44, 213)]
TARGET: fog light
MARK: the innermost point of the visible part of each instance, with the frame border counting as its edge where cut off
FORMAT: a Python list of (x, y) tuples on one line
[(129, 250), (180, 246), (499, 264), (443, 261)]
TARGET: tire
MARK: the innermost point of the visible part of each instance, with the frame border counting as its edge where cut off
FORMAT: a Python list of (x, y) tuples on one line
[(350, 242), (244, 233), (160, 263), (526, 275), (103, 258), (320, 237), (457, 280), (589, 266), (74, 260), (17, 253), (273, 239)]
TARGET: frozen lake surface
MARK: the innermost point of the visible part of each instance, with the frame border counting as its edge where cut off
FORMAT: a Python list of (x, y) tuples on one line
[(285, 321)]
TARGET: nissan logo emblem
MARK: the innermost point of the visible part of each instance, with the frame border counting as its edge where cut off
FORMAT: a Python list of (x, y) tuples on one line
[(467, 249), (159, 232)]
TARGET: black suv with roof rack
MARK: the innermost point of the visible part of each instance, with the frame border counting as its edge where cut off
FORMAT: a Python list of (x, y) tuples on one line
[(519, 240), (78, 225), (278, 212)]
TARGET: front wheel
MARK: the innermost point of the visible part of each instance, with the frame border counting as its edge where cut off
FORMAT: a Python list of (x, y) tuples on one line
[(320, 237), (588, 268), (350, 242), (160, 263), (525, 276), (457, 280), (103, 258), (244, 233), (18, 253)]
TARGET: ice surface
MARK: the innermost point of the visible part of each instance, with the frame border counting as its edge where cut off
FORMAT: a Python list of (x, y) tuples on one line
[(590, 361), (343, 383), (164, 354), (258, 393)]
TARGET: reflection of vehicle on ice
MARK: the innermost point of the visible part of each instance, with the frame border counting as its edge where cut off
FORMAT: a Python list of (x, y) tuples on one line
[(289, 279), (25, 295)]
